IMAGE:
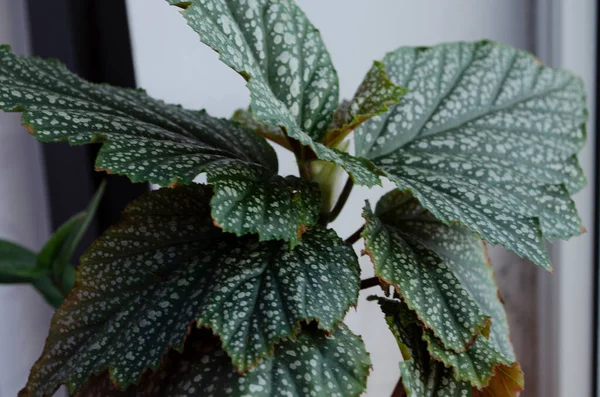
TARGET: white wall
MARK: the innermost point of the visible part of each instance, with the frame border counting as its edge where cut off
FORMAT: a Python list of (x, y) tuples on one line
[(172, 64), (574, 48), (24, 315)]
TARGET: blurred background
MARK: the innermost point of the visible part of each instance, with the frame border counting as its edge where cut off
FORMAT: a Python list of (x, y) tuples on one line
[(146, 43)]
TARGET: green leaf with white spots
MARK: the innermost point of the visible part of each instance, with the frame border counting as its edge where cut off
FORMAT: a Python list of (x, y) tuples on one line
[(465, 255), (273, 45), (165, 266), (148, 140), (373, 97), (291, 79), (421, 376), (425, 282), (278, 208), (461, 250), (312, 365), (475, 366), (486, 137)]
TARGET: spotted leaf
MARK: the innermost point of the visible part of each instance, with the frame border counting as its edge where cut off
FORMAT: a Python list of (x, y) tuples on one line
[(312, 365), (491, 357), (279, 208), (425, 281), (421, 376), (148, 140), (373, 97), (291, 79), (475, 366), (141, 285), (486, 137)]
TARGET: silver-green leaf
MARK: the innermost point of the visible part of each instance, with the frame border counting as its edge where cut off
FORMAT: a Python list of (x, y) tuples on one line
[(464, 253), (149, 140), (421, 376), (424, 280), (312, 365), (291, 79), (486, 137), (165, 266)]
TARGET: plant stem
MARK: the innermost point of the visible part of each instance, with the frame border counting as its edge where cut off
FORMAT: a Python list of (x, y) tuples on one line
[(299, 153), (355, 236), (369, 282), (341, 201), (399, 389)]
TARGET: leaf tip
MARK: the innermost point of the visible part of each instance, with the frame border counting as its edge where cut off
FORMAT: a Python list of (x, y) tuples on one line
[(29, 128)]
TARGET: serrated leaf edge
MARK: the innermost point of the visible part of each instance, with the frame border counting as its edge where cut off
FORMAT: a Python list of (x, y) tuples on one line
[(297, 329), (482, 329)]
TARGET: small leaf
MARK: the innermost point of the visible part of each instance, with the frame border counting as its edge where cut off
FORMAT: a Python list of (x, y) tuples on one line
[(421, 376), (49, 271), (313, 365), (373, 97), (291, 79), (49, 289), (425, 282), (165, 266), (58, 250), (20, 265), (485, 137), (149, 140), (17, 264)]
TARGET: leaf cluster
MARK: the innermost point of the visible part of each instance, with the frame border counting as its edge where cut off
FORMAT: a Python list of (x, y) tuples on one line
[(237, 287)]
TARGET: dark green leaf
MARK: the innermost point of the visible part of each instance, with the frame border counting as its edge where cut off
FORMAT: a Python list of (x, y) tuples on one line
[(291, 79), (148, 140), (51, 290), (58, 251), (165, 266), (421, 376), (486, 137), (488, 359), (313, 365), (20, 265), (461, 250), (475, 366), (278, 208), (17, 264), (273, 45), (424, 280)]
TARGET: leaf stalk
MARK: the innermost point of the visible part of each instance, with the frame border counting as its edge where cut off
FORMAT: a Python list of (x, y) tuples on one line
[(341, 201), (354, 237), (369, 283)]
